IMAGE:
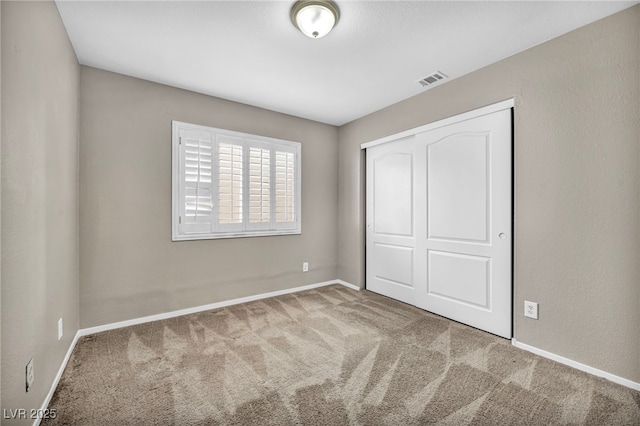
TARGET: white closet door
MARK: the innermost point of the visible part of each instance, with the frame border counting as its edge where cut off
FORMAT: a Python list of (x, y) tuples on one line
[(390, 220), (463, 201), (439, 221)]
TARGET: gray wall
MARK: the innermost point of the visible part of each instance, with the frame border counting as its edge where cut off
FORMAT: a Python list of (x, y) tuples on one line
[(40, 83), (577, 186), (129, 267)]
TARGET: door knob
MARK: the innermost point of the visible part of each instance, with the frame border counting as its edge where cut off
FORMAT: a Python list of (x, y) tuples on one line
[(502, 236)]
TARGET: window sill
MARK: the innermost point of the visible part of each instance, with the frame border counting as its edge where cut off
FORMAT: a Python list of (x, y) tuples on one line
[(228, 235)]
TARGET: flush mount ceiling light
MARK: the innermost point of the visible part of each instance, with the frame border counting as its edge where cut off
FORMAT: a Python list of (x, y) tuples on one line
[(315, 18)]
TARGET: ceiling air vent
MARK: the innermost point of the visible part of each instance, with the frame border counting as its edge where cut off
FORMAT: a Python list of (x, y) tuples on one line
[(432, 79)]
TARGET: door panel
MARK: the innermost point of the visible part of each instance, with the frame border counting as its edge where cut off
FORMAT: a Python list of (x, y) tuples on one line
[(393, 264), (390, 224), (464, 192), (457, 192), (459, 277), (392, 194)]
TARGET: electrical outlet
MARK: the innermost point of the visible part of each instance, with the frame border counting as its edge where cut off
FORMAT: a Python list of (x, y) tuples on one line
[(530, 309), (29, 374), (60, 329), (305, 266)]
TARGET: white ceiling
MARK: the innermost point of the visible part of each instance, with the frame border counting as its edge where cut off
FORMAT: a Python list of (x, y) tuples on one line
[(249, 52)]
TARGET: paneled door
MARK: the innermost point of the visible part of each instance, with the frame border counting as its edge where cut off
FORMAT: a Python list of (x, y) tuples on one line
[(463, 200), (456, 259), (390, 220)]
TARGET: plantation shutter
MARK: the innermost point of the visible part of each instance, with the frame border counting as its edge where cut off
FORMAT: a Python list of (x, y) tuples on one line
[(260, 185), (230, 169), (286, 190), (196, 189)]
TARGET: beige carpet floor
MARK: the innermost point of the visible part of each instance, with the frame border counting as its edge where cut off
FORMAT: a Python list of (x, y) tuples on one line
[(329, 356)]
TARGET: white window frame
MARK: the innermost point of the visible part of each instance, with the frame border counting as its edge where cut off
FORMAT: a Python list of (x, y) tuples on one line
[(182, 231)]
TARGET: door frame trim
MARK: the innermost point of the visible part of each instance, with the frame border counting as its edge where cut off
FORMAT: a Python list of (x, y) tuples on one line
[(506, 104)]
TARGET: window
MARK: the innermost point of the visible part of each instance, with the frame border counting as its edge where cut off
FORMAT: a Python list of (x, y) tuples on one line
[(228, 184)]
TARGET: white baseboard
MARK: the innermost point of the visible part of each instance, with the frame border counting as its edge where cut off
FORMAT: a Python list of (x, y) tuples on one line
[(577, 365), (217, 305), (349, 285), (56, 379)]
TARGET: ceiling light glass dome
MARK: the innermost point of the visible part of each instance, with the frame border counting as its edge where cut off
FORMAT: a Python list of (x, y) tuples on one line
[(315, 18)]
